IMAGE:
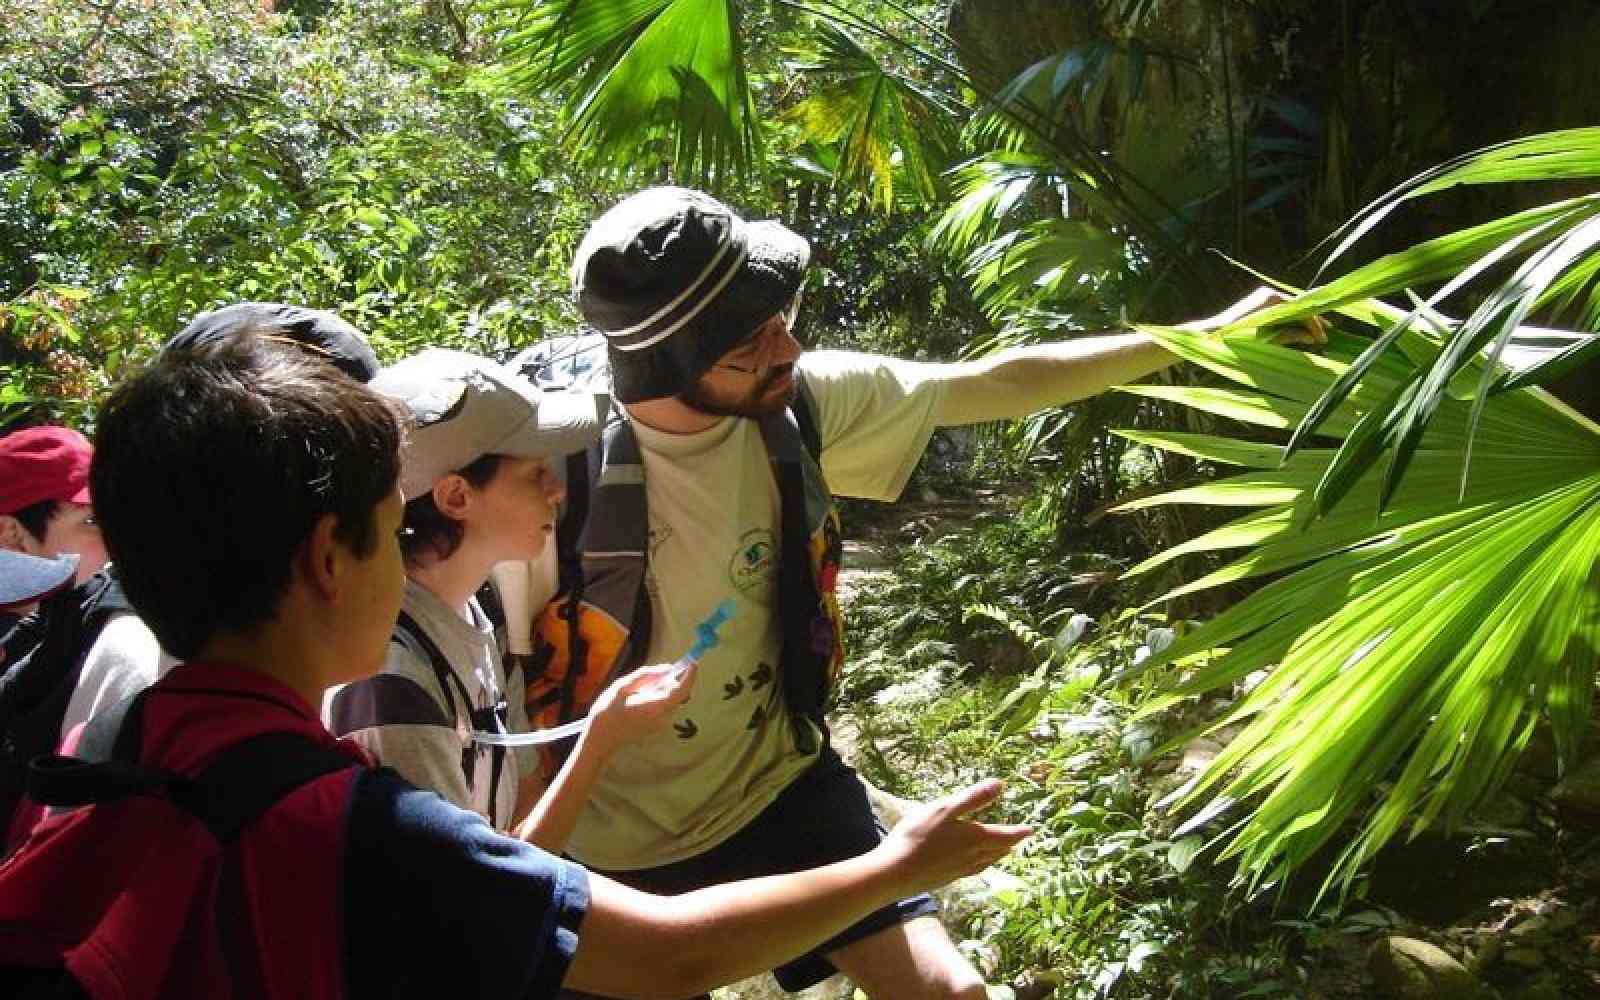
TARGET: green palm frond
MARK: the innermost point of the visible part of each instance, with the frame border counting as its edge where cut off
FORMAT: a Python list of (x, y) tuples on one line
[(640, 76), (988, 189), (1045, 261), (1563, 155), (1060, 143), (884, 124), (1424, 637), (1015, 265), (1086, 87), (1544, 259)]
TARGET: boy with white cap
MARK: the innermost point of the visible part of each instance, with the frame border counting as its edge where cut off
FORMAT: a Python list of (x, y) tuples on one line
[(481, 490)]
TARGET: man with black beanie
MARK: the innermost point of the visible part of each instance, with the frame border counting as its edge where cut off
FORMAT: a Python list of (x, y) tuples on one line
[(714, 480)]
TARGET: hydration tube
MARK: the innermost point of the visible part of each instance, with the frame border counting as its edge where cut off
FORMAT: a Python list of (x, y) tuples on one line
[(706, 637)]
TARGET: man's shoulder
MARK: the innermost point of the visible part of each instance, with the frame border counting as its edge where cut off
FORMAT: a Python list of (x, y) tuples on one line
[(125, 638), (831, 371), (836, 362)]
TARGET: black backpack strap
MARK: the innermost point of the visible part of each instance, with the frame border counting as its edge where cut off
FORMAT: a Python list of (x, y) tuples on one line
[(69, 782), (104, 597), (248, 779), (233, 790), (569, 558), (415, 638), (804, 409), (570, 568), (415, 635), (36, 646), (802, 666), (494, 609)]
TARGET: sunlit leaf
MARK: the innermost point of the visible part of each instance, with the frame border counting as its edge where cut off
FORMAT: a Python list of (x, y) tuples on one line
[(634, 72), (1422, 638), (884, 123)]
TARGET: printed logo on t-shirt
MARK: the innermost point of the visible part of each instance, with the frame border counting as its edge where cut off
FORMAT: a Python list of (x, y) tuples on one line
[(753, 568), (659, 533)]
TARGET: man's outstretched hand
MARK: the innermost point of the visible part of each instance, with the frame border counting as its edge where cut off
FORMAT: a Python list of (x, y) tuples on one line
[(1309, 332), (934, 844)]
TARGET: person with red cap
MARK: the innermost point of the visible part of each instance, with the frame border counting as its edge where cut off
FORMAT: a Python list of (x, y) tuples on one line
[(44, 497), (58, 674)]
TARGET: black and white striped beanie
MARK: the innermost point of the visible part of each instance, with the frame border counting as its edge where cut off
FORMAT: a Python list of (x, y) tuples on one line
[(674, 278)]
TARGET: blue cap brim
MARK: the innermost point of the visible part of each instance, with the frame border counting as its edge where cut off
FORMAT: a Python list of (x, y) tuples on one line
[(25, 579)]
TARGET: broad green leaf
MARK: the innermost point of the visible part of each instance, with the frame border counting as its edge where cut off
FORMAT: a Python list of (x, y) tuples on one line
[(1423, 638), (882, 122), (1433, 260), (635, 70), (1210, 448)]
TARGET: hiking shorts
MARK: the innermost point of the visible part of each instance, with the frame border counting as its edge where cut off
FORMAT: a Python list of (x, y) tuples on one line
[(822, 817)]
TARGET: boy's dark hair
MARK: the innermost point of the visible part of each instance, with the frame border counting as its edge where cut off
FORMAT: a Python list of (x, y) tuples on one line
[(428, 531), (35, 518), (213, 465)]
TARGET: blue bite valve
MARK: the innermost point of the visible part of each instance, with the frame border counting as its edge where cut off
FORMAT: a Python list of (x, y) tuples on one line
[(705, 633)]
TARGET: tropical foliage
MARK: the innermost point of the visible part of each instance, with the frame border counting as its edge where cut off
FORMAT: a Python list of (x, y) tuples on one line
[(977, 657), (1433, 634), (410, 165), (173, 157), (1440, 599)]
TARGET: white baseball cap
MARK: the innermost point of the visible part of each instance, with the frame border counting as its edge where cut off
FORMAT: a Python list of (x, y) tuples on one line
[(464, 407)]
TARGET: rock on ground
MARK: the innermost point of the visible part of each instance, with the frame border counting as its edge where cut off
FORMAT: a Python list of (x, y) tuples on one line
[(1579, 791), (1408, 969)]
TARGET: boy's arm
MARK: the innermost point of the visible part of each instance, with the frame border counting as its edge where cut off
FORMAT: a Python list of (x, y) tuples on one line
[(549, 823), (633, 944), (627, 709)]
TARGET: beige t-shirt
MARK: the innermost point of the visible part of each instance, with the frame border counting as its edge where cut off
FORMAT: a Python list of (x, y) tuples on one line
[(730, 750)]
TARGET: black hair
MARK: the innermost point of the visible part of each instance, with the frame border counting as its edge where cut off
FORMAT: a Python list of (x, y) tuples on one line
[(213, 465), (429, 532), (36, 517)]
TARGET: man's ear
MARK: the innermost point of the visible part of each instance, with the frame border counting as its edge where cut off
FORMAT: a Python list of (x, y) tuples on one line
[(321, 560), (452, 495)]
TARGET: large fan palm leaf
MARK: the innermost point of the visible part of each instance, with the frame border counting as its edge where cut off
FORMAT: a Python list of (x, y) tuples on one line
[(1551, 253), (884, 124), (1424, 638)]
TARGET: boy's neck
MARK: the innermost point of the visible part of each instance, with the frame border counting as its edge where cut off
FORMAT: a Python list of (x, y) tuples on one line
[(285, 655)]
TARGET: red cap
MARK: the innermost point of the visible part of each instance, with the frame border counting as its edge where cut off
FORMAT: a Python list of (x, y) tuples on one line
[(43, 463)]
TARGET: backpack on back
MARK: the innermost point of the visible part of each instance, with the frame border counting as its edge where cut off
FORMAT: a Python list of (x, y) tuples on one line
[(45, 654), (155, 857)]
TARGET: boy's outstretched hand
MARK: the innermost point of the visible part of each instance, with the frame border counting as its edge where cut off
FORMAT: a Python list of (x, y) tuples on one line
[(934, 845), (634, 705)]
